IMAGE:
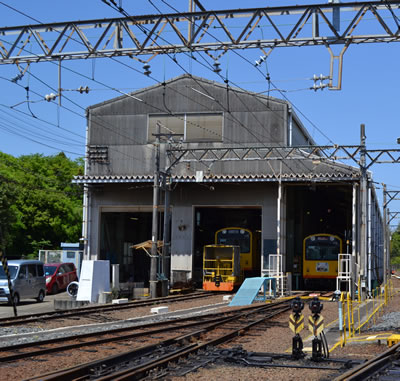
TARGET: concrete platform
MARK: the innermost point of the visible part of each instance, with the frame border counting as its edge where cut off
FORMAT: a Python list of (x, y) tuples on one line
[(159, 310), (333, 334), (69, 304)]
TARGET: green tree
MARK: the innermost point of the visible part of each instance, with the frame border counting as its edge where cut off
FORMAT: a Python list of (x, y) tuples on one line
[(8, 212), (395, 248), (47, 207)]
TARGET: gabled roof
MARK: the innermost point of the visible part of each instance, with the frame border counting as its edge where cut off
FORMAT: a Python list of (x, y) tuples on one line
[(223, 86), (179, 78)]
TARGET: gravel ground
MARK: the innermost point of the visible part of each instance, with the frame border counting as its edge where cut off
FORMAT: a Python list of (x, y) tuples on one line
[(273, 336), (278, 339), (235, 373), (19, 335), (112, 317)]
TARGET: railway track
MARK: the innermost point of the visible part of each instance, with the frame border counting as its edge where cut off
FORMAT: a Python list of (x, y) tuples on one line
[(139, 332), (155, 347), (385, 367), (90, 311)]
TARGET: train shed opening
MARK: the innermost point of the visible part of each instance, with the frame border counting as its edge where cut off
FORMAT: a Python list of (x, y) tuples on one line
[(120, 231), (317, 209), (208, 220)]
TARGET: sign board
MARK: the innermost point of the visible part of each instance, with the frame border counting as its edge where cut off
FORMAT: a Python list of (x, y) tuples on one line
[(94, 279), (316, 326), (296, 325)]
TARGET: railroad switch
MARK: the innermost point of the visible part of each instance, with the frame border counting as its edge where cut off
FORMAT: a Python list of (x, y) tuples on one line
[(296, 324), (316, 326)]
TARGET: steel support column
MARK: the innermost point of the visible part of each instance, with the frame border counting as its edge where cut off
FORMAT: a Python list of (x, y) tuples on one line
[(355, 275), (385, 237), (363, 216), (369, 239), (154, 235), (166, 253)]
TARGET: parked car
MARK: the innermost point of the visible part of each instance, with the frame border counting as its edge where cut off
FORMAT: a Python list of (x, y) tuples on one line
[(59, 276), (27, 281)]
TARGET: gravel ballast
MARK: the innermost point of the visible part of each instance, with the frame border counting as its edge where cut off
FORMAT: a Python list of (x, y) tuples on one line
[(273, 337)]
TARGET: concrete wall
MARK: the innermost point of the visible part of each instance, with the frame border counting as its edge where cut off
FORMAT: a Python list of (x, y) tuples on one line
[(184, 200)]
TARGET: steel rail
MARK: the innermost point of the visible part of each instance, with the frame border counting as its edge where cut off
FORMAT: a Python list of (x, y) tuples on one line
[(142, 370), (371, 366), (31, 318), (87, 370), (164, 326), (97, 341)]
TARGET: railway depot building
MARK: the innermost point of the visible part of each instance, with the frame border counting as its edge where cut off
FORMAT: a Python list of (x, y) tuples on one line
[(281, 201)]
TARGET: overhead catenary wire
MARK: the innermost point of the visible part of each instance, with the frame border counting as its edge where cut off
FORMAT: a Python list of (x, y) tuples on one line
[(38, 142), (242, 125), (159, 109), (226, 80), (119, 9), (69, 141), (258, 69), (129, 95)]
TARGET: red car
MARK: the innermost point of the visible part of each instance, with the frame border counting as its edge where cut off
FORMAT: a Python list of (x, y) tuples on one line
[(59, 276)]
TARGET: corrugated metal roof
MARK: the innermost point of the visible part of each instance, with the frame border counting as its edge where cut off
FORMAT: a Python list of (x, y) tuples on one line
[(105, 179)]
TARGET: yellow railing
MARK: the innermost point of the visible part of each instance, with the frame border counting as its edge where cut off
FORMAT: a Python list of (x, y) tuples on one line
[(351, 310), (218, 267)]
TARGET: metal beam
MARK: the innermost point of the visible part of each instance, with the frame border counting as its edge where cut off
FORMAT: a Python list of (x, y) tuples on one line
[(392, 195), (393, 215), (220, 30), (320, 153)]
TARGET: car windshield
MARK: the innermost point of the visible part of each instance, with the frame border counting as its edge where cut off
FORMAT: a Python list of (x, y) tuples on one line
[(49, 270), (12, 271)]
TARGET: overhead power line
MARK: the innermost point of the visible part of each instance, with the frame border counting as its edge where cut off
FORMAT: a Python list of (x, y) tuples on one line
[(263, 28)]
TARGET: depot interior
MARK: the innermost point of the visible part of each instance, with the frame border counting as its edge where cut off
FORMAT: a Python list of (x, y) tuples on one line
[(310, 209)]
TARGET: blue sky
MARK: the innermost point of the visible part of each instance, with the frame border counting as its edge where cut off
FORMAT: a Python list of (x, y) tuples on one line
[(369, 92)]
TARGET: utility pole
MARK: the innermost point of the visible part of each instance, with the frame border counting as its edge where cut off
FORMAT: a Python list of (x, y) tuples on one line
[(363, 201), (167, 218), (154, 235), (385, 236)]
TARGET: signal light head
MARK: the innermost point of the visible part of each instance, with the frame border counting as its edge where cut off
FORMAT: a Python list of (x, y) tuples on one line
[(297, 305), (315, 306)]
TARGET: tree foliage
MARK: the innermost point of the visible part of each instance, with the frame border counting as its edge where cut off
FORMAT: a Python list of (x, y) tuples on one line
[(395, 248), (39, 204)]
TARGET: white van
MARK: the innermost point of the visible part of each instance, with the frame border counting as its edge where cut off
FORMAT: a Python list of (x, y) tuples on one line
[(27, 279)]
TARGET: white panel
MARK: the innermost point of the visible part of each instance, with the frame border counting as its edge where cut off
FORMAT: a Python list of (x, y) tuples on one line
[(94, 279), (181, 262)]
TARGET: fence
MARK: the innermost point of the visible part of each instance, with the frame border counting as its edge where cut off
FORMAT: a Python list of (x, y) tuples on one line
[(351, 317)]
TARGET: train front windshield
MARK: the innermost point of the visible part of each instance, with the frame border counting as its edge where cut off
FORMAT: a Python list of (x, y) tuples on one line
[(237, 237), (320, 248)]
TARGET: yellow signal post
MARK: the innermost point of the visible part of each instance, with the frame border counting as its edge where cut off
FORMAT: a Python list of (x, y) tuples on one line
[(296, 324), (316, 326)]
